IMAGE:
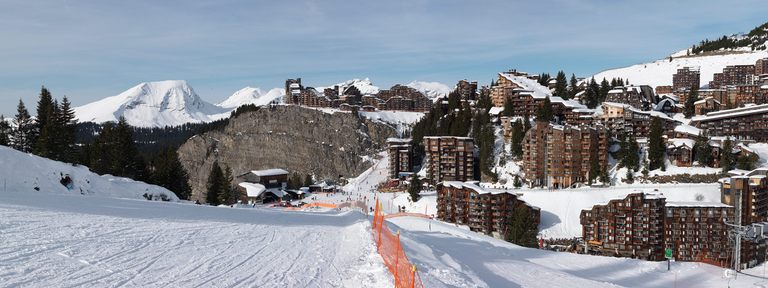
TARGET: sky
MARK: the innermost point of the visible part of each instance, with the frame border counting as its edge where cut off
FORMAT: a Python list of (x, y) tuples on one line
[(88, 50)]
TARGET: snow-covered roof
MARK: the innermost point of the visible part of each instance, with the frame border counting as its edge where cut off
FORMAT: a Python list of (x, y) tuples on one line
[(253, 189), (536, 89), (680, 142), (495, 110), (398, 140), (696, 204), (669, 96), (751, 109), (454, 137), (745, 148), (269, 172), (687, 129)]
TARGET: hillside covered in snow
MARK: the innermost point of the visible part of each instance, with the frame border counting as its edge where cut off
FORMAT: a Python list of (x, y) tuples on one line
[(710, 56), (659, 72), (32, 174)]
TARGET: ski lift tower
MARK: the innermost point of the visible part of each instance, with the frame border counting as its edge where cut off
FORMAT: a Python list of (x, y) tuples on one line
[(755, 232)]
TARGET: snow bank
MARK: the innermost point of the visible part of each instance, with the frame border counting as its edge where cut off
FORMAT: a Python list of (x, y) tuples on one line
[(23, 172)]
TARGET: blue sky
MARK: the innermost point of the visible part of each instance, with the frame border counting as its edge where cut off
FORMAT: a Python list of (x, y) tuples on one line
[(88, 50)]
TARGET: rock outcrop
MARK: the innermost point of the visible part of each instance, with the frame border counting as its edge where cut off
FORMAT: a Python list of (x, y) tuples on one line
[(293, 138)]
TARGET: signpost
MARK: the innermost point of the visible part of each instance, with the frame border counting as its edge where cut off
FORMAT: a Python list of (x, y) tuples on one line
[(668, 255)]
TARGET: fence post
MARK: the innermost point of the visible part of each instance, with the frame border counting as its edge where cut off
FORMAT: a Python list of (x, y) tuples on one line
[(397, 257)]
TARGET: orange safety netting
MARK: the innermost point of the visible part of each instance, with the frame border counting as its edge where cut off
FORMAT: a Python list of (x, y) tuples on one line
[(402, 214), (391, 251), (320, 204)]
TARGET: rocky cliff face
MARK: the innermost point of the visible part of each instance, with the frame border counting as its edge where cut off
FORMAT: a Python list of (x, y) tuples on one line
[(293, 138)]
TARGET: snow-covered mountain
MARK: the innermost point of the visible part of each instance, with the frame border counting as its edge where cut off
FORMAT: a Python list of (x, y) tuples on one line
[(431, 89), (153, 104), (364, 85), (250, 95), (659, 72)]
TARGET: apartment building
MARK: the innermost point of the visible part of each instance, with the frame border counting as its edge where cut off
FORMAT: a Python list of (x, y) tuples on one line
[(686, 78), (643, 225), (761, 66), (466, 89), (559, 156), (630, 227), (752, 188), (487, 211), (639, 97), (622, 118), (400, 154), (449, 158), (527, 95), (733, 75), (745, 123), (695, 231)]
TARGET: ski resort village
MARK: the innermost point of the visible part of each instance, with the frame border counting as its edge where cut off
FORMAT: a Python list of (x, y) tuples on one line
[(511, 174)]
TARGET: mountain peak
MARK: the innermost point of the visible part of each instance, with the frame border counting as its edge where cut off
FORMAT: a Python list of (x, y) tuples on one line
[(251, 95), (153, 104)]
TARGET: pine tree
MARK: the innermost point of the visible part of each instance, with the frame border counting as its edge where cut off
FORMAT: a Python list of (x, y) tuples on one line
[(689, 109), (517, 183), (594, 166), (67, 130), (5, 131), (603, 91), (747, 161), (308, 180), (656, 147), (126, 160), (726, 156), (592, 95), (703, 151), (520, 230), (630, 177), (574, 86), (517, 139), (178, 178), (216, 184), (561, 85), (544, 112), (44, 124), (227, 194), (21, 139), (415, 188), (508, 108)]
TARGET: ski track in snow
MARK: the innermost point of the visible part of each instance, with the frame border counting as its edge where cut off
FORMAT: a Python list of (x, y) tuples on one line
[(82, 245)]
